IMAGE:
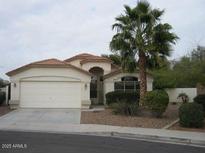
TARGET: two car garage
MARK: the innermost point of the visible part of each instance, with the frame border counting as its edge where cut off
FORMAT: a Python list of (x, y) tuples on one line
[(50, 94)]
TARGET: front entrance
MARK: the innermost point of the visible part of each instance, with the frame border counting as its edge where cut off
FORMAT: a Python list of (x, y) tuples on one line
[(96, 85)]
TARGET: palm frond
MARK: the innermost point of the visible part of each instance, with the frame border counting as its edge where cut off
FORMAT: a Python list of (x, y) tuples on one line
[(157, 13), (128, 10), (143, 7), (123, 19)]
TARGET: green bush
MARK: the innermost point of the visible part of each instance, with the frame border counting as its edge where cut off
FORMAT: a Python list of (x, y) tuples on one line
[(125, 108), (200, 99), (2, 97), (191, 115), (116, 96), (157, 102)]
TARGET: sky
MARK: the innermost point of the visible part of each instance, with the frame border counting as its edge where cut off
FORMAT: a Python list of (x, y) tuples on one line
[(32, 30)]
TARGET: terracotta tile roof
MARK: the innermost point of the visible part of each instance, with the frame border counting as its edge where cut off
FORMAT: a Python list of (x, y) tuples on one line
[(86, 57), (51, 61), (118, 71), (95, 60), (48, 63)]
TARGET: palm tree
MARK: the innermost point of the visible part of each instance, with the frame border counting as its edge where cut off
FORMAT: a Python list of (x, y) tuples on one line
[(116, 58), (128, 64), (141, 36)]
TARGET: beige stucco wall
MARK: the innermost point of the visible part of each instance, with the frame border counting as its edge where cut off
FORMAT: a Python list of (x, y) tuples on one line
[(109, 82), (76, 63), (87, 66), (174, 93), (50, 74), (105, 66)]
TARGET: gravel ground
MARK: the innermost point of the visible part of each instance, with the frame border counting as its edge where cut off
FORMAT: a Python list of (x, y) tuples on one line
[(4, 110), (178, 127), (106, 117)]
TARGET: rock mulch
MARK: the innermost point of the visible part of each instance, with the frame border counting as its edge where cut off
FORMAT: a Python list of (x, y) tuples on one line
[(106, 117), (178, 127)]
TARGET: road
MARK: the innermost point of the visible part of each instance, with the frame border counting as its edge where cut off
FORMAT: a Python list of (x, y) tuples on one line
[(48, 142)]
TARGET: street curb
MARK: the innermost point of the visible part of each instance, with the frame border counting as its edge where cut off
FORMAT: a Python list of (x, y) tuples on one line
[(150, 138)]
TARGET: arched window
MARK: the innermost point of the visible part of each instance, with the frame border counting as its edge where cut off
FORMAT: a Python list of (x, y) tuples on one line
[(129, 78), (127, 83)]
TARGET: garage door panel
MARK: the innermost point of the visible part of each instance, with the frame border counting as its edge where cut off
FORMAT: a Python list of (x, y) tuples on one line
[(50, 94)]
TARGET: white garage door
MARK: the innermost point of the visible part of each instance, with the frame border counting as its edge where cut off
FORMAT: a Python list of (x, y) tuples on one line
[(50, 95)]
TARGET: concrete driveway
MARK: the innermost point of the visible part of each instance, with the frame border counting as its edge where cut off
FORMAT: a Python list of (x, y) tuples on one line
[(35, 117)]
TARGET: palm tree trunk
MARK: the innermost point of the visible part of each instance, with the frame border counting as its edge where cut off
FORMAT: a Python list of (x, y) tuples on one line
[(142, 76)]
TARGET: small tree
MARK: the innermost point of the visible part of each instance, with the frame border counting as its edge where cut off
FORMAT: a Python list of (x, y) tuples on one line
[(184, 97), (157, 101)]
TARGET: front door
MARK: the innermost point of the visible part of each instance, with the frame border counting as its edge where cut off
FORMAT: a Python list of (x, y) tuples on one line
[(96, 90)]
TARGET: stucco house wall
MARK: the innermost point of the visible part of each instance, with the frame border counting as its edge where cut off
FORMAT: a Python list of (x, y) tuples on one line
[(87, 66), (76, 63), (105, 66)]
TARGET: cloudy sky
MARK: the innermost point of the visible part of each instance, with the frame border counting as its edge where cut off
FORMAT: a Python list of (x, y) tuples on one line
[(33, 30)]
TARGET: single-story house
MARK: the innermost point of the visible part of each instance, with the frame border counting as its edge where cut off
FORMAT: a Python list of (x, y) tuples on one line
[(72, 83)]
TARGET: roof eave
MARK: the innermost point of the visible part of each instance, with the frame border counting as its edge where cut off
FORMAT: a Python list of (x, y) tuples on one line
[(23, 68), (120, 71)]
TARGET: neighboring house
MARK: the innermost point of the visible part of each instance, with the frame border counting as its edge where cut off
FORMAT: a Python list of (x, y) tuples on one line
[(72, 83)]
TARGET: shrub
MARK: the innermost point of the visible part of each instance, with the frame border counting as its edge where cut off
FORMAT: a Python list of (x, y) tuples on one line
[(200, 99), (184, 97), (120, 96), (2, 97), (191, 115), (125, 108), (157, 102)]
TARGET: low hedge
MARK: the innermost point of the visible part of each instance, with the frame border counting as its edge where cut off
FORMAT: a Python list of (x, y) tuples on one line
[(2, 97), (191, 115), (124, 108), (157, 101), (200, 99), (118, 96)]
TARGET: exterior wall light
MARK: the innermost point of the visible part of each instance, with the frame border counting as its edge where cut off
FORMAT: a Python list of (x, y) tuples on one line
[(86, 86)]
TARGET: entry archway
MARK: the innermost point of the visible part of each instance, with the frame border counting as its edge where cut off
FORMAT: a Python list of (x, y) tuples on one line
[(96, 85)]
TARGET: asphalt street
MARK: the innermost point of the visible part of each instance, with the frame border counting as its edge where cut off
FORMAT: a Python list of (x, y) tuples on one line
[(49, 142)]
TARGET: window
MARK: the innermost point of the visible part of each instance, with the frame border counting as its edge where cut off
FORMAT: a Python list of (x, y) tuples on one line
[(129, 78), (128, 83), (119, 85)]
